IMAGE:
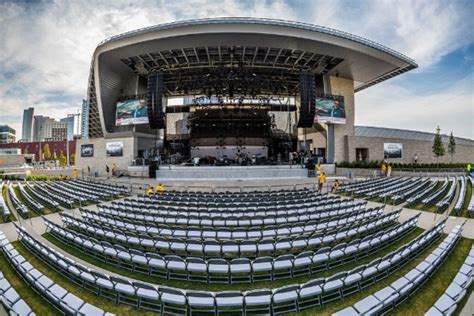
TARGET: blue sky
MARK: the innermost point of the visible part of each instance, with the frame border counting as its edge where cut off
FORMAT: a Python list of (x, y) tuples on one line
[(46, 46)]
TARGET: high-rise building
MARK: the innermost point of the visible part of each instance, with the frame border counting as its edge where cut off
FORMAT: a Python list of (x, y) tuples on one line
[(43, 129), (59, 133), (69, 120), (27, 127), (7, 134), (85, 119)]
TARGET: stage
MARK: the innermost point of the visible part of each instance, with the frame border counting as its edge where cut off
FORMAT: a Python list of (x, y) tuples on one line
[(174, 172)]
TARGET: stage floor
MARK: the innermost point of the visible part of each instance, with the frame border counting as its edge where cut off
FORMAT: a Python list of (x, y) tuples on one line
[(173, 172)]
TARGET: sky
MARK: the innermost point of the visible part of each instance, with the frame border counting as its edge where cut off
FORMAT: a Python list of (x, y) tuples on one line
[(46, 47)]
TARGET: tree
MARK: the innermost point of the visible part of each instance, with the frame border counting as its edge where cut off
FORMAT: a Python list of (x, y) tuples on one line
[(62, 159), (72, 159), (438, 147), (46, 152), (452, 146)]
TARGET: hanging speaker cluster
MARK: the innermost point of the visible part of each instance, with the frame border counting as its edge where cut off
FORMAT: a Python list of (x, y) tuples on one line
[(307, 108), (154, 94)]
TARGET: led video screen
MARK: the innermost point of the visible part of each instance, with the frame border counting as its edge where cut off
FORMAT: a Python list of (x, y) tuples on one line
[(330, 111), (131, 112)]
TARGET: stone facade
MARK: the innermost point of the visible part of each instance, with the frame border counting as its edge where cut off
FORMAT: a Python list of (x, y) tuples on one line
[(410, 148), (344, 87), (99, 160)]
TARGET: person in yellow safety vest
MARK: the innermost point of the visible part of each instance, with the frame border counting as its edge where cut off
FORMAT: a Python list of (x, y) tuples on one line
[(149, 191), (160, 188), (322, 179), (389, 170), (468, 168), (383, 168), (75, 174), (318, 169)]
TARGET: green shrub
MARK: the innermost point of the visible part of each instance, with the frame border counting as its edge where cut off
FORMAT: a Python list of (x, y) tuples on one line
[(397, 165)]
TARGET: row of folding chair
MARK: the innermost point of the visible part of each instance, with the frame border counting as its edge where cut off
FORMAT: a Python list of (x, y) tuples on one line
[(30, 201), (234, 271), (462, 195), (230, 194), (421, 195), (214, 220), (72, 193), (112, 188), (431, 198), (43, 198), (284, 230), (202, 206), (106, 191), (90, 193), (446, 200), (22, 210), (4, 209), (455, 292), (62, 299), (290, 298), (410, 191), (212, 247), (372, 187), (53, 194), (11, 300), (368, 185), (350, 186), (230, 205), (233, 210), (401, 188), (391, 296), (382, 191)]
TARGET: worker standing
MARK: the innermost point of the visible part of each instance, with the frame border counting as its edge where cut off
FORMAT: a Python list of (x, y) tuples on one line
[(468, 169), (322, 180), (75, 174), (383, 168), (318, 169), (389, 170), (149, 191)]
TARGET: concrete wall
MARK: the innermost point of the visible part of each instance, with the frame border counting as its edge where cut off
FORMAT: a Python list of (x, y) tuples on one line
[(423, 149), (337, 86), (100, 159), (345, 87)]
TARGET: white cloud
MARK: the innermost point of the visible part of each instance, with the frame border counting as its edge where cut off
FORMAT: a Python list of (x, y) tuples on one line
[(389, 105), (424, 30), (45, 48)]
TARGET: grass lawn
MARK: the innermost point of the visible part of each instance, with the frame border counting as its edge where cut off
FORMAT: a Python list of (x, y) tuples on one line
[(354, 298), (467, 199), (12, 217), (226, 287), (36, 303), (87, 296), (429, 293)]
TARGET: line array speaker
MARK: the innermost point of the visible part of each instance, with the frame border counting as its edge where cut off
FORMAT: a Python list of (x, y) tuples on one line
[(154, 94), (307, 100)]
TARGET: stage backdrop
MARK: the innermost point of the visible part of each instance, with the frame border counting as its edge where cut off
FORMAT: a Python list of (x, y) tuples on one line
[(330, 111), (392, 150), (131, 112)]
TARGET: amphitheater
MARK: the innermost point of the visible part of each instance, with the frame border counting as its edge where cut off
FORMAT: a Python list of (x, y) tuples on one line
[(90, 248), (265, 242)]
